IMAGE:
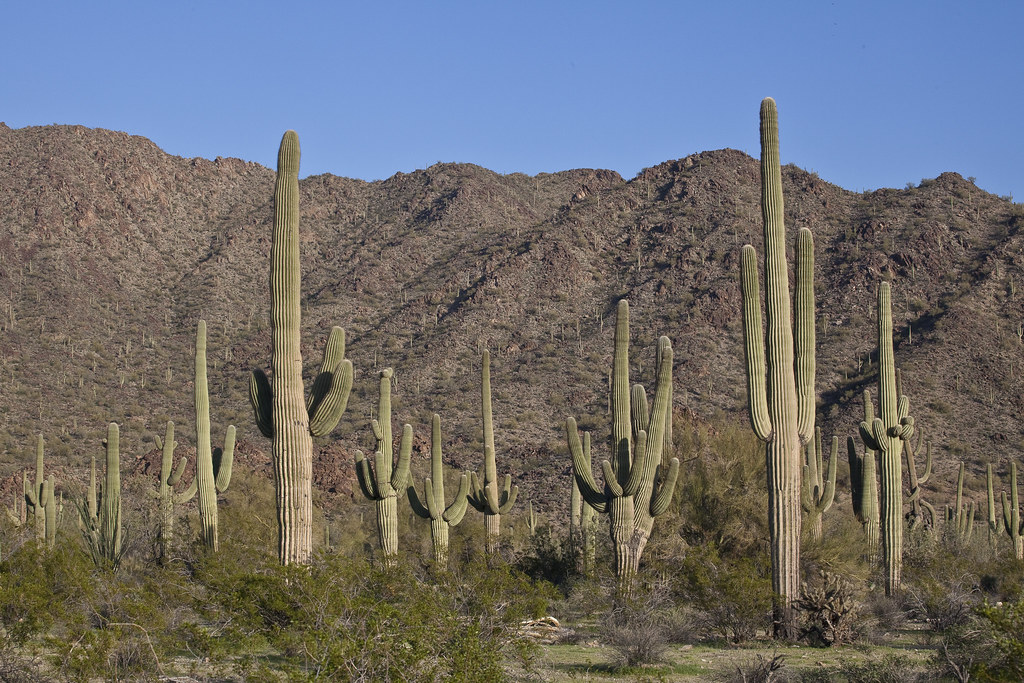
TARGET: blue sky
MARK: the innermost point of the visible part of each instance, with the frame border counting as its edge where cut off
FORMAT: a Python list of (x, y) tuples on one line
[(870, 94)]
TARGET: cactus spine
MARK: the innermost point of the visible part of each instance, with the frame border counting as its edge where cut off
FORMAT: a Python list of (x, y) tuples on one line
[(165, 493), (960, 518), (780, 392), (432, 505), (282, 414), (39, 495), (382, 482), (1011, 515), (638, 439), (918, 505), (887, 434), (213, 465), (818, 489), (483, 487)]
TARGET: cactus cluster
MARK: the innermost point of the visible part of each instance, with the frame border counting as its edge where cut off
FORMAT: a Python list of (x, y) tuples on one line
[(960, 517), (100, 516), (780, 390), (632, 495)]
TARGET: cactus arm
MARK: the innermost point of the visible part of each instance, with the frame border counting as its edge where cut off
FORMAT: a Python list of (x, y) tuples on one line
[(663, 498), (222, 460), (614, 489), (365, 477), (638, 471), (639, 408), (582, 471), (261, 399), (400, 477), (455, 512), (753, 345), (188, 494), (508, 495), (804, 335), (329, 395), (421, 510)]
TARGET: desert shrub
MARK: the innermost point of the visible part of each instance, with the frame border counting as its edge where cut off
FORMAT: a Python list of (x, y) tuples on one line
[(892, 668), (734, 597), (635, 631), (760, 669), (1002, 631)]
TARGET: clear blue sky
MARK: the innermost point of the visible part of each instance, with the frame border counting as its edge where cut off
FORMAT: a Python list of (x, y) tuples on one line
[(870, 94)]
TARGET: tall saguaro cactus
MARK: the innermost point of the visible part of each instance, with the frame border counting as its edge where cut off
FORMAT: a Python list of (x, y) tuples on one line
[(383, 482), (282, 413), (818, 488), (887, 434), (631, 494), (780, 393), (993, 524), (432, 506), (165, 493), (483, 487)]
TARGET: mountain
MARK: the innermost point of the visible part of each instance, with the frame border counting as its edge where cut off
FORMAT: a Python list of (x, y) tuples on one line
[(112, 250)]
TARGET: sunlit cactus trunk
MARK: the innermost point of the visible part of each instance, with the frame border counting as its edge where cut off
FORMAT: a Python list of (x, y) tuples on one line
[(780, 372), (213, 466), (432, 505)]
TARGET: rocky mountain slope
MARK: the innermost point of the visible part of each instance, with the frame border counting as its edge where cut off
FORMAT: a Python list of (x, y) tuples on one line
[(112, 250)]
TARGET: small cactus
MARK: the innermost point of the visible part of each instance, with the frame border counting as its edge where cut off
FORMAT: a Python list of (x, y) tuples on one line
[(383, 481), (921, 511), (818, 489), (213, 465), (960, 518), (483, 487), (170, 476), (432, 506), (38, 494)]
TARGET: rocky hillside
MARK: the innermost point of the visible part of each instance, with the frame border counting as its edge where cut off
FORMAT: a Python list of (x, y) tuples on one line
[(111, 250)]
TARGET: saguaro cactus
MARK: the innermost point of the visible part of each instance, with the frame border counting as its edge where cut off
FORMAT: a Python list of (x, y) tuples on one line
[(383, 482), (629, 495), (960, 518), (864, 484), (282, 414), (483, 487), (213, 465), (993, 524), (582, 523), (165, 493), (39, 495), (887, 434), (101, 523), (780, 393), (431, 506), (1011, 515), (819, 490)]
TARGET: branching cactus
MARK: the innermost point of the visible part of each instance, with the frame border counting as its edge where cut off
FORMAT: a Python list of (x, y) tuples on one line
[(780, 390), (213, 465), (170, 476), (484, 495), (864, 484), (1011, 515), (632, 494), (282, 413), (383, 481), (819, 489), (921, 511), (960, 518), (101, 515), (582, 522), (38, 494), (432, 506), (887, 434)]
